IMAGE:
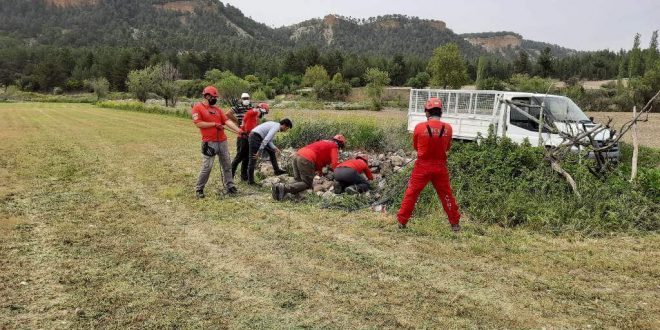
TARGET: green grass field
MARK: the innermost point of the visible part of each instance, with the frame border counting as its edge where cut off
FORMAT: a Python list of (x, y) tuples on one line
[(99, 228)]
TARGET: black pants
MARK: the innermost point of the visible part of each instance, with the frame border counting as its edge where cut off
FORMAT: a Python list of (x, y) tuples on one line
[(255, 143), (242, 157), (347, 176)]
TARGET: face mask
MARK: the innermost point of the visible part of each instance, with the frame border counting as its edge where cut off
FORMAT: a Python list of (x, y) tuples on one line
[(246, 102), (213, 101)]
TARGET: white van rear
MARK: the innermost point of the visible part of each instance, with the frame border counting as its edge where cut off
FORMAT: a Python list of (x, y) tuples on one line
[(511, 114)]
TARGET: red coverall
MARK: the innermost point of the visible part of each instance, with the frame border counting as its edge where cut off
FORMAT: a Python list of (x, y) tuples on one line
[(431, 139)]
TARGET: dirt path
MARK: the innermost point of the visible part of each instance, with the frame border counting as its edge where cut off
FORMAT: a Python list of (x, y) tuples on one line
[(100, 229)]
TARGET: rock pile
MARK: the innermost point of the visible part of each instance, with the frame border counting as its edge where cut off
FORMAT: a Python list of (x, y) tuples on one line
[(382, 166)]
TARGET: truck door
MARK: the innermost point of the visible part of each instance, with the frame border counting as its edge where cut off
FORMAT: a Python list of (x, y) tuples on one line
[(520, 126)]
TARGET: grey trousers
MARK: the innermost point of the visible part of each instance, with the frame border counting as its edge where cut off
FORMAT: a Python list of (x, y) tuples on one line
[(303, 173), (222, 152)]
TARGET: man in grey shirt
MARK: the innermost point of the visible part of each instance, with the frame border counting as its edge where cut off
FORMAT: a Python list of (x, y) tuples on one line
[(261, 139)]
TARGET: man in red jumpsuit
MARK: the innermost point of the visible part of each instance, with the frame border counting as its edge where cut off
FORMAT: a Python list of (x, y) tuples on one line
[(310, 160), (432, 140)]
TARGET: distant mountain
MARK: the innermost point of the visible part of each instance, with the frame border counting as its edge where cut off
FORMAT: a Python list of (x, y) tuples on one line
[(210, 24), (508, 44), (382, 35)]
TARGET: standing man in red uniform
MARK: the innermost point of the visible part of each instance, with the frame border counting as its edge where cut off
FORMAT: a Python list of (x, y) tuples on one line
[(432, 140), (211, 122), (248, 121), (348, 176), (310, 160)]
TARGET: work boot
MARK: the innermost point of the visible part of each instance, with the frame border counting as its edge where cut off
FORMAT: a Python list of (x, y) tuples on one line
[(456, 228), (280, 172), (273, 191), (337, 188), (232, 190), (280, 191), (401, 225), (352, 190), (200, 194)]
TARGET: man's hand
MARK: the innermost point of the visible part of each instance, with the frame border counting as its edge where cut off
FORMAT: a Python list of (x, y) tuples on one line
[(257, 155), (278, 151), (220, 126)]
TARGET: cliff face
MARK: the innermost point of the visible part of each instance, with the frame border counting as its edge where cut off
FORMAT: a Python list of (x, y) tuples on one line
[(496, 43)]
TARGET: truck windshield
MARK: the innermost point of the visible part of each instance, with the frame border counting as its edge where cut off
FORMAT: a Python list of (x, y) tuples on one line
[(564, 109)]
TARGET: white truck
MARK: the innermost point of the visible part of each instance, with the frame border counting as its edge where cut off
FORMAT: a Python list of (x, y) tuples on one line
[(515, 115)]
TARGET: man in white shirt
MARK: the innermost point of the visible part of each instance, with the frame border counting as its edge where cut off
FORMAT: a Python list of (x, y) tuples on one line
[(261, 139)]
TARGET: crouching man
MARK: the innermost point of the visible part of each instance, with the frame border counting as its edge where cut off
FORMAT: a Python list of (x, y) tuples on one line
[(310, 160), (432, 140), (211, 122), (261, 139), (348, 176)]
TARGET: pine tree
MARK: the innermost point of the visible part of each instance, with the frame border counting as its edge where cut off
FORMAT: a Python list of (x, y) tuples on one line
[(635, 59)]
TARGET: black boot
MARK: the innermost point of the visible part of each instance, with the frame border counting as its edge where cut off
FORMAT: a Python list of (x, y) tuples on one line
[(200, 194)]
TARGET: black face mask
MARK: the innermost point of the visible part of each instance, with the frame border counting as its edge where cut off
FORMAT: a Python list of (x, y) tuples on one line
[(213, 101)]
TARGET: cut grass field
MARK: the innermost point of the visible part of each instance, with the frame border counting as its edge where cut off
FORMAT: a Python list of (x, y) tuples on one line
[(99, 228)]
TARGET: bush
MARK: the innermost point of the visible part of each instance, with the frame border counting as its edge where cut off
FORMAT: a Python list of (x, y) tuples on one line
[(100, 86), (421, 80), (525, 83), (362, 135), (376, 82), (259, 95), (499, 182), (146, 108), (491, 83), (314, 75), (333, 90)]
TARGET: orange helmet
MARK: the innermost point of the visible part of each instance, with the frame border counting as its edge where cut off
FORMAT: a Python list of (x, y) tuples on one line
[(210, 90), (340, 139), (432, 103), (363, 157), (264, 106)]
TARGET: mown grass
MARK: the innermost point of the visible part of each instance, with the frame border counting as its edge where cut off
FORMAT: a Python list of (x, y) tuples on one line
[(100, 229)]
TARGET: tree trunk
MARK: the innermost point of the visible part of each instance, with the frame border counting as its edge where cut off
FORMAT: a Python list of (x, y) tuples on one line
[(633, 172)]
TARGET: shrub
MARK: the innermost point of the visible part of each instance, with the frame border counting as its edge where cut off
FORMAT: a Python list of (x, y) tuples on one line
[(499, 182), (491, 83), (146, 108), (315, 74), (100, 86), (525, 83), (363, 135), (420, 80), (335, 89), (376, 82)]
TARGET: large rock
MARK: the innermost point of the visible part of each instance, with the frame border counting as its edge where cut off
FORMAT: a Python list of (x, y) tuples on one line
[(397, 160), (266, 169)]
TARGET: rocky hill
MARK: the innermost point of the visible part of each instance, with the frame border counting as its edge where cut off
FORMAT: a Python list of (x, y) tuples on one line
[(508, 44), (205, 24)]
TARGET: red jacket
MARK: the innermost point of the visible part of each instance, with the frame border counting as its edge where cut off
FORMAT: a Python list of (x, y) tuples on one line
[(211, 114), (432, 139), (250, 121), (321, 153), (359, 166)]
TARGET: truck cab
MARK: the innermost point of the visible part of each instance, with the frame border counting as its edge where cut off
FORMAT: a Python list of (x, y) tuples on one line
[(515, 115)]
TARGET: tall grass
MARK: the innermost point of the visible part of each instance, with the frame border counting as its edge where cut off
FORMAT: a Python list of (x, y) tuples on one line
[(146, 108), (360, 134)]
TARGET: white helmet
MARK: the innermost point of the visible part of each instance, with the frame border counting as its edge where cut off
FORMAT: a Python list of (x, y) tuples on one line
[(245, 97)]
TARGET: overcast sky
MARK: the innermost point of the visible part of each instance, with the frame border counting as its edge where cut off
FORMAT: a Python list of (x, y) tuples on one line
[(577, 24)]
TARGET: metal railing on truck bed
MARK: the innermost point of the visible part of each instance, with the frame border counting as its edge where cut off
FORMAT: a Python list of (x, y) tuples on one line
[(457, 101)]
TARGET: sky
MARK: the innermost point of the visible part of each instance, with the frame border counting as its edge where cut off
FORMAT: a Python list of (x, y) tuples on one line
[(576, 24)]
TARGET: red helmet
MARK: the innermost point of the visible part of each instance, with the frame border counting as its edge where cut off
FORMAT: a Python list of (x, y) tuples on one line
[(264, 106), (364, 157), (341, 139), (432, 103), (210, 90)]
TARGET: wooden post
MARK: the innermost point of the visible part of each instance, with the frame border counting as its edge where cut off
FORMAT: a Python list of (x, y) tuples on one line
[(633, 172)]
